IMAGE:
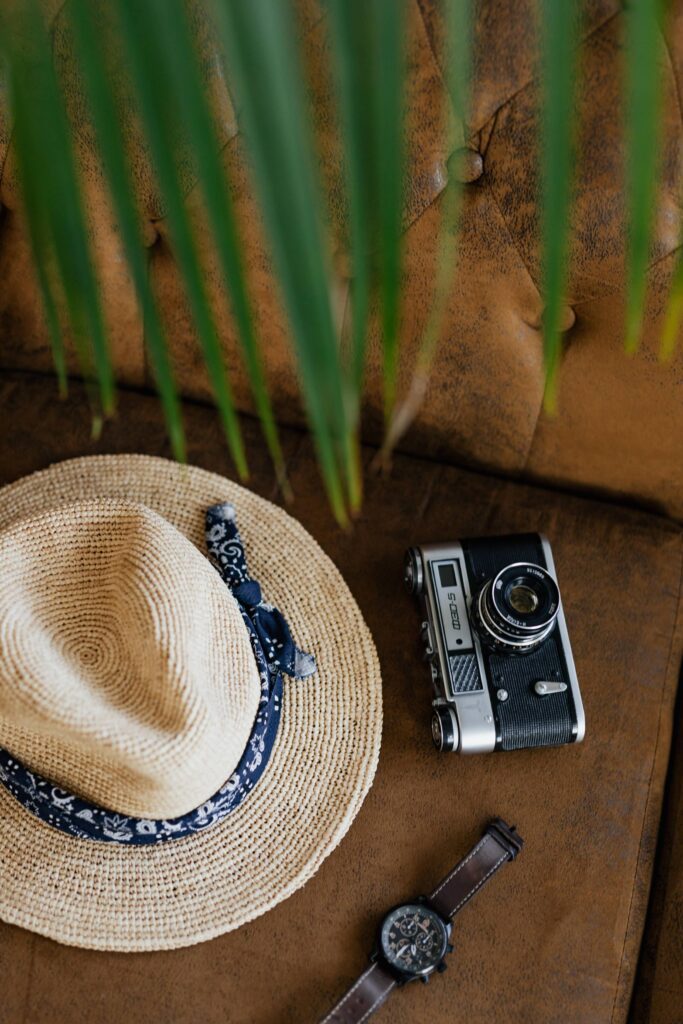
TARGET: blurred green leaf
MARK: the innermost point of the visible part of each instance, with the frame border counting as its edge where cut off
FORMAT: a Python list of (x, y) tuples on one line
[(263, 67), (674, 311), (352, 47), (643, 122), (387, 104), (458, 22), (183, 76), (559, 30), (53, 200), (159, 115), (27, 149), (90, 43)]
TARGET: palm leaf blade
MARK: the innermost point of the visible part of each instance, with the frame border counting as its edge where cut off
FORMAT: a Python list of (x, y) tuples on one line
[(184, 71), (387, 106), (272, 109), (458, 17), (139, 33), (559, 28), (352, 48), (63, 235), (112, 150), (643, 89)]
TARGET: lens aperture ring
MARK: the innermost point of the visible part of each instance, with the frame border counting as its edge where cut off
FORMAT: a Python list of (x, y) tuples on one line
[(496, 629)]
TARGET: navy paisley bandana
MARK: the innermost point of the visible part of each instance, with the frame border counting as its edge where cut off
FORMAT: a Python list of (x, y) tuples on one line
[(275, 653)]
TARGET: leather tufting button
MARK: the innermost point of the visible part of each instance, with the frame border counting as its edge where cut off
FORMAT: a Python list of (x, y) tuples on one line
[(466, 165), (567, 320)]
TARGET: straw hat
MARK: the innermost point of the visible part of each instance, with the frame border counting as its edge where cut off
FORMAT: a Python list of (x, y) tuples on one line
[(133, 685)]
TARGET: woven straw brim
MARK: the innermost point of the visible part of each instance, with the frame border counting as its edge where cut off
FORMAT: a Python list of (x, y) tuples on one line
[(108, 896)]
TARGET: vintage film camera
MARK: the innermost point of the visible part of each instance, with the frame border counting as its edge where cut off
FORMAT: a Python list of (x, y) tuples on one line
[(496, 644)]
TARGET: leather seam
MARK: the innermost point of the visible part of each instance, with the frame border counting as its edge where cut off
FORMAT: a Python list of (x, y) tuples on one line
[(535, 286), (479, 884), (461, 865), (533, 78), (674, 632), (380, 999), (348, 995)]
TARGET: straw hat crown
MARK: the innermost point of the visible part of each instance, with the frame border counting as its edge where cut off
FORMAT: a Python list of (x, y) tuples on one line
[(127, 675)]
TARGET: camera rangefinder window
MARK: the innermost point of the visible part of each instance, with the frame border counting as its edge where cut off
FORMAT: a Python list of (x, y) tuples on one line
[(447, 575)]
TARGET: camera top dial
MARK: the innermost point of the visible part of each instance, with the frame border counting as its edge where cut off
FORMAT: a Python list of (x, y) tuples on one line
[(516, 611)]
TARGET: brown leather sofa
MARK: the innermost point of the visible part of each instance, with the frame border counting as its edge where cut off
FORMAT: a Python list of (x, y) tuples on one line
[(587, 925)]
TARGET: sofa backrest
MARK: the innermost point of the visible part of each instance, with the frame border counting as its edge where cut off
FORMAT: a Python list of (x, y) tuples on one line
[(620, 420)]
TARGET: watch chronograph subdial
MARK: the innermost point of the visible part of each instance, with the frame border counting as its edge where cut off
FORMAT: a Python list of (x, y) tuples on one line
[(413, 939), (424, 940), (409, 926)]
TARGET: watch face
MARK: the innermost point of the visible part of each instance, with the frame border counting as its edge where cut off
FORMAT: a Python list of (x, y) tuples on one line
[(413, 939)]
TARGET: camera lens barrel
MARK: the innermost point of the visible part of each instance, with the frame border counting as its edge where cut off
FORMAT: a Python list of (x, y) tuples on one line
[(517, 609)]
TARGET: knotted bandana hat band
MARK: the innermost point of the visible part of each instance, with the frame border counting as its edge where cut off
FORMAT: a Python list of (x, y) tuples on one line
[(275, 653)]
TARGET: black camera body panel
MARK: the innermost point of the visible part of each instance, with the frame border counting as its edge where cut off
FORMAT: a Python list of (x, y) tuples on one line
[(496, 644)]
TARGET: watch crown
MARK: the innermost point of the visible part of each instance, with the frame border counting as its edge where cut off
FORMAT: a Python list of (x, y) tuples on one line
[(425, 979), (450, 947)]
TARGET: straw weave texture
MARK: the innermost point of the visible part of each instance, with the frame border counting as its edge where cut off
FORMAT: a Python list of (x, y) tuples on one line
[(142, 898), (126, 671)]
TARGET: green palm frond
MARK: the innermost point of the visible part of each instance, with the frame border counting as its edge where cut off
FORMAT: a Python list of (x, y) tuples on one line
[(643, 101), (273, 108), (458, 23), (53, 202), (674, 312), (559, 26), (386, 100), (183, 71), (153, 78), (88, 42), (353, 67), (257, 40)]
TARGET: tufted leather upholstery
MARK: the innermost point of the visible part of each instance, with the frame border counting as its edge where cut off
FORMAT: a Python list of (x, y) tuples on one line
[(484, 401), (618, 432)]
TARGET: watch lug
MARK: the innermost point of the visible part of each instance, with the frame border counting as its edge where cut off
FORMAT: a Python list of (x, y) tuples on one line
[(425, 979)]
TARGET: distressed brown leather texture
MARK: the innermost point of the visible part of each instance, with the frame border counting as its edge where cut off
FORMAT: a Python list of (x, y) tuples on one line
[(620, 420), (587, 926), (555, 935)]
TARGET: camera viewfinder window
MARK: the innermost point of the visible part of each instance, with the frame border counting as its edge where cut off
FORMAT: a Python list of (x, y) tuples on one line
[(447, 575)]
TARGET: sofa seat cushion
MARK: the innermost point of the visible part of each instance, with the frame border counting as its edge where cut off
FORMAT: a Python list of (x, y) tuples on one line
[(555, 937)]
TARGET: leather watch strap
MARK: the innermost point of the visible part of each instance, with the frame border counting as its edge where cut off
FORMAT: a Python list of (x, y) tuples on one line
[(499, 844), (364, 997)]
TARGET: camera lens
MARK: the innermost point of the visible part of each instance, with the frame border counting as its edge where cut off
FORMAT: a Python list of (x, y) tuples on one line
[(516, 610), (522, 599)]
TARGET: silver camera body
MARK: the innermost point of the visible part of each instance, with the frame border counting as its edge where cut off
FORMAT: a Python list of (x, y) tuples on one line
[(496, 643)]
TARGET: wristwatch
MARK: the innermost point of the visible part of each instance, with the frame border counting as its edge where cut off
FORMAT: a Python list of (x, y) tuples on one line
[(414, 938)]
